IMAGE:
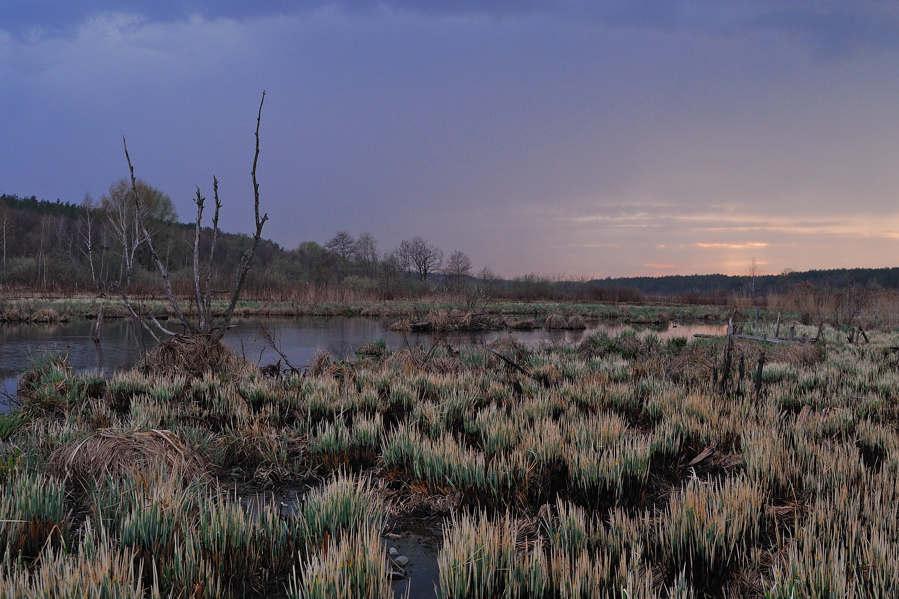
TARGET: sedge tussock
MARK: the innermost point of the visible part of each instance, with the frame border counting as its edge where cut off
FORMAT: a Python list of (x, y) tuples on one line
[(32, 515), (98, 570), (348, 566), (108, 452)]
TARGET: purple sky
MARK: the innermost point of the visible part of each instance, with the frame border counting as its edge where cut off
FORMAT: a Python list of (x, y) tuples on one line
[(576, 137)]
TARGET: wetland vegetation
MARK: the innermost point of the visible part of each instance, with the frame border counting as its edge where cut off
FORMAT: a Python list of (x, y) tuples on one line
[(623, 466)]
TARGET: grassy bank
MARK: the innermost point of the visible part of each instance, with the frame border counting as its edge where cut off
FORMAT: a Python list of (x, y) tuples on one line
[(50, 309), (617, 468)]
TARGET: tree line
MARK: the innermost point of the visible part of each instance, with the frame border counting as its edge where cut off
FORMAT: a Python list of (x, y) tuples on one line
[(95, 246), (98, 246)]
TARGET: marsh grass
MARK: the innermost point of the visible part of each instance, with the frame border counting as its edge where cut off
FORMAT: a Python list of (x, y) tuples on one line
[(33, 515), (614, 468), (348, 566), (99, 569)]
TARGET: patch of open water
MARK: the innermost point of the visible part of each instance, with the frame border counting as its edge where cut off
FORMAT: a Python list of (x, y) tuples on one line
[(121, 345), (420, 543)]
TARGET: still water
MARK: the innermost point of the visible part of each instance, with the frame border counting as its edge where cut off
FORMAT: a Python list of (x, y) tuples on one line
[(299, 338)]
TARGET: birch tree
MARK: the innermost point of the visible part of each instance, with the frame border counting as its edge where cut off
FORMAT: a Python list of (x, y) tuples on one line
[(135, 213)]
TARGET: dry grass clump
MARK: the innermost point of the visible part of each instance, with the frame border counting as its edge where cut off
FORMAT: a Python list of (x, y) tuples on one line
[(555, 321), (576, 322), (108, 453), (46, 384), (193, 356), (321, 363), (444, 321), (45, 315), (626, 344), (696, 364), (698, 360), (375, 349)]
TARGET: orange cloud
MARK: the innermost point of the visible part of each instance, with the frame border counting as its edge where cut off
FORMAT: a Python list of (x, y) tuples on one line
[(660, 266), (733, 246)]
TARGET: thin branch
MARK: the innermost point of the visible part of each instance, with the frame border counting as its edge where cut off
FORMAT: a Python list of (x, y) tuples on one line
[(273, 343), (200, 201), (215, 235), (247, 257), (162, 269), (511, 362), (162, 328), (136, 317)]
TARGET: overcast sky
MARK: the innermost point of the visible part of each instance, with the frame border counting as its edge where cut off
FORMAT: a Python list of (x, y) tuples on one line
[(577, 137)]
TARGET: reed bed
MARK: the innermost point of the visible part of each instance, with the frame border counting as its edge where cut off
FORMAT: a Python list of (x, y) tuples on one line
[(625, 466), (98, 570)]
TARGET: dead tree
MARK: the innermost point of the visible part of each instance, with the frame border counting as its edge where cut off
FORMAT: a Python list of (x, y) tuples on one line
[(206, 323)]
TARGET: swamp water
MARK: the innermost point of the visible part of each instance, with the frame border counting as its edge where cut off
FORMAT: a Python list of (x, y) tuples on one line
[(299, 339)]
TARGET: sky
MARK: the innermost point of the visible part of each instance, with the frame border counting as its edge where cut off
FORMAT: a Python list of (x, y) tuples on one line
[(573, 138)]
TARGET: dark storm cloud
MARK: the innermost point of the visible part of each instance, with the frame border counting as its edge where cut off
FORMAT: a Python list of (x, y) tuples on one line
[(834, 28), (21, 16)]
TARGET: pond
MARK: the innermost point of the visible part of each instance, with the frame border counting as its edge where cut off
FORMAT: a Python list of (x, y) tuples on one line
[(298, 338)]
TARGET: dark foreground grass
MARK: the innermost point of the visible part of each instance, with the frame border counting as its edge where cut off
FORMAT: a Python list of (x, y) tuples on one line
[(617, 468)]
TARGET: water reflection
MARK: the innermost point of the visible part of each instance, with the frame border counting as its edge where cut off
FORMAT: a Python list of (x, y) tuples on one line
[(299, 338)]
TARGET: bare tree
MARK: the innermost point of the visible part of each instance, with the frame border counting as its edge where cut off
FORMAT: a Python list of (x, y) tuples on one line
[(42, 255), (424, 257), (488, 281), (342, 245), (5, 228), (134, 213), (755, 270), (457, 270), (457, 265), (206, 324), (366, 253), (389, 269), (849, 303)]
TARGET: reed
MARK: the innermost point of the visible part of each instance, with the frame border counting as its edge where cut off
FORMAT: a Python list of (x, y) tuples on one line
[(645, 478), (347, 566), (245, 547), (614, 473), (711, 530), (32, 515), (344, 504), (478, 557), (12, 422), (98, 570), (330, 446)]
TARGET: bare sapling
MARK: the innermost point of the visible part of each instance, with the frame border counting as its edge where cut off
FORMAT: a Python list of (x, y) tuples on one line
[(206, 323)]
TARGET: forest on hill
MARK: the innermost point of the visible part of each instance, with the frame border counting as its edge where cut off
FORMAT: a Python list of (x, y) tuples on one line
[(94, 246)]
